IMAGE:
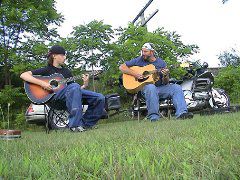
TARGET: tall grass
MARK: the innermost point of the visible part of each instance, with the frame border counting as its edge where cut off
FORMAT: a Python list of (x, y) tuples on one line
[(206, 147)]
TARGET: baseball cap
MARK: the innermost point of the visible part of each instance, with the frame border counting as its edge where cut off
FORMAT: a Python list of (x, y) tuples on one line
[(148, 46), (56, 49)]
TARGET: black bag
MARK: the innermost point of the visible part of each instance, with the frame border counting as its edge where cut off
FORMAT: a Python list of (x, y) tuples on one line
[(112, 102)]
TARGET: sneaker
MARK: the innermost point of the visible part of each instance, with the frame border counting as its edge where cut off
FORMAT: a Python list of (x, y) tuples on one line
[(187, 115), (77, 129), (151, 120), (154, 119)]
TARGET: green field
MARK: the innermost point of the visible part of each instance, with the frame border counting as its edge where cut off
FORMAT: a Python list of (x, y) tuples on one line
[(205, 147)]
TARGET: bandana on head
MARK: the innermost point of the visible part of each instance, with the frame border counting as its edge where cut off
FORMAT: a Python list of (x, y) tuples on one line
[(148, 46)]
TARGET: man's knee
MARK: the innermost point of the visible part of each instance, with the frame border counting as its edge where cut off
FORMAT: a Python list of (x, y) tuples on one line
[(73, 91), (176, 88), (101, 98), (74, 86), (149, 88)]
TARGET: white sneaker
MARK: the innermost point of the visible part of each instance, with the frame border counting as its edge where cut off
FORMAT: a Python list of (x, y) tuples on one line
[(77, 129)]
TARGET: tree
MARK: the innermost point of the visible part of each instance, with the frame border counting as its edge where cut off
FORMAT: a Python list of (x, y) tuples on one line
[(21, 20), (223, 79), (229, 58), (89, 45)]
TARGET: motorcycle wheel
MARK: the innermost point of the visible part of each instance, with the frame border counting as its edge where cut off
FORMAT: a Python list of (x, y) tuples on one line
[(58, 119), (220, 99)]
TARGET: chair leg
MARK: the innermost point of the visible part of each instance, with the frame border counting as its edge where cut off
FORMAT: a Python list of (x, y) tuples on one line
[(138, 110), (169, 114), (169, 109), (46, 112), (136, 102), (138, 114)]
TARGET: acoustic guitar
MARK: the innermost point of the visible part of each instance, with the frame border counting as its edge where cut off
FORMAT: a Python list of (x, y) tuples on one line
[(38, 95), (134, 85)]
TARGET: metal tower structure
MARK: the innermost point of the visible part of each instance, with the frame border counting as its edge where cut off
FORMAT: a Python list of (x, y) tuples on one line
[(140, 15)]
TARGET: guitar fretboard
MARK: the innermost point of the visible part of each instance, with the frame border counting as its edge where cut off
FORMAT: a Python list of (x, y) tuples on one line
[(66, 80), (71, 79), (155, 71)]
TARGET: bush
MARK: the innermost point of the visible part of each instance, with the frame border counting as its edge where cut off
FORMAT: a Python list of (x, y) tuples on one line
[(12, 102), (229, 80)]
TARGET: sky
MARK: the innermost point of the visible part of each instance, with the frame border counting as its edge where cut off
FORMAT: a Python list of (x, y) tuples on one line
[(211, 25)]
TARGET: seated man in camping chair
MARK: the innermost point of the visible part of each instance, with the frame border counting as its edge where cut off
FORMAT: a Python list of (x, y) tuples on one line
[(57, 83), (138, 76)]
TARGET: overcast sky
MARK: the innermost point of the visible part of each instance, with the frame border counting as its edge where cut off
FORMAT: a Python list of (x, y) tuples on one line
[(211, 25)]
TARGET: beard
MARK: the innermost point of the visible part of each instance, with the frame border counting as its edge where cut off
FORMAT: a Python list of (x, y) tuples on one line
[(146, 58)]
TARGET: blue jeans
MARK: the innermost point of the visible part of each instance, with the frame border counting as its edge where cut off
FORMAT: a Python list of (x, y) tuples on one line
[(73, 95), (152, 95)]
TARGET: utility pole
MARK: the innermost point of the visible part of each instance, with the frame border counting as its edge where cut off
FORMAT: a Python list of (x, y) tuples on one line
[(141, 15)]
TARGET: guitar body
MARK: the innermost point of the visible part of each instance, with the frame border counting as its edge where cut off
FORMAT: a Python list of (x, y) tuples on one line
[(37, 94), (134, 85)]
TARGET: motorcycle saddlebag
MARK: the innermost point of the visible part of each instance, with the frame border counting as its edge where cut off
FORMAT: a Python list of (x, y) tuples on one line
[(112, 102)]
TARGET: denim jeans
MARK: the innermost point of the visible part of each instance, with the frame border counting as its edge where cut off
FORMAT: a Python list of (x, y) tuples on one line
[(152, 95), (73, 95)]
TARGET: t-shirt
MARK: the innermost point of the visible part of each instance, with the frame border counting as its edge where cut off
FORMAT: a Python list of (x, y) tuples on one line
[(49, 70), (139, 61)]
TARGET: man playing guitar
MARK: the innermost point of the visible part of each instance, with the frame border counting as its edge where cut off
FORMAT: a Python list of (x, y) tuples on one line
[(72, 93), (161, 88)]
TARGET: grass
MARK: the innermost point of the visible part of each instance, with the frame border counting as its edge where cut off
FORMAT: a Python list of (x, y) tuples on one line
[(206, 147)]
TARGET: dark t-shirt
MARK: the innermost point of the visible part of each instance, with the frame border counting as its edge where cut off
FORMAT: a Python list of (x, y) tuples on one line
[(49, 70), (139, 61)]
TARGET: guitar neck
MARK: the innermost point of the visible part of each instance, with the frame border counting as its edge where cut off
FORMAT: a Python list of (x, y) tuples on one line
[(67, 80), (155, 71)]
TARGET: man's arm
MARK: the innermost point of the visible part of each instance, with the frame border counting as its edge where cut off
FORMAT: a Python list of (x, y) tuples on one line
[(28, 76), (126, 70)]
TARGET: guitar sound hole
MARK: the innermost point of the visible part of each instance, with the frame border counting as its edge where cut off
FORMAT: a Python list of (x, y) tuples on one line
[(142, 80), (145, 73), (54, 83)]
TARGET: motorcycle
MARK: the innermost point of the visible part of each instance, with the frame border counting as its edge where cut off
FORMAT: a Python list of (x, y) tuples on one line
[(199, 93)]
